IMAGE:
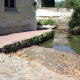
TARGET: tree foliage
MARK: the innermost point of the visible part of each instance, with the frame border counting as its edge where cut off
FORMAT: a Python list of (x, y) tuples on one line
[(71, 3), (75, 19), (48, 3), (60, 4), (74, 23), (67, 4)]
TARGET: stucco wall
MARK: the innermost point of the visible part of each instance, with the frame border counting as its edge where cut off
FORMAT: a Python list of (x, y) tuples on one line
[(22, 19)]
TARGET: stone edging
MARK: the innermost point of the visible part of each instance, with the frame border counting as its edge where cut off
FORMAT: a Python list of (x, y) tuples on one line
[(27, 42)]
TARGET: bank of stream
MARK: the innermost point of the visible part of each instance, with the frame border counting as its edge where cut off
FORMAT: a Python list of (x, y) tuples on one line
[(64, 41)]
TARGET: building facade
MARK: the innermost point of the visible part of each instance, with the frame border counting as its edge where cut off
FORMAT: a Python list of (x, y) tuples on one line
[(17, 16)]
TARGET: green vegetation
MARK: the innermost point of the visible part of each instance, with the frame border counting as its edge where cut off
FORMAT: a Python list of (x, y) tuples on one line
[(60, 4), (69, 4), (74, 23), (48, 3), (75, 30), (46, 22), (27, 43)]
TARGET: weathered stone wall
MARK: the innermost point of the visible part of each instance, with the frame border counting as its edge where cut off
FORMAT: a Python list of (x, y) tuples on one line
[(44, 12), (22, 19), (60, 16)]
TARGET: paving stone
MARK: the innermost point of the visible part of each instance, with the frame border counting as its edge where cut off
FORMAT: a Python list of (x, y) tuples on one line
[(18, 68)]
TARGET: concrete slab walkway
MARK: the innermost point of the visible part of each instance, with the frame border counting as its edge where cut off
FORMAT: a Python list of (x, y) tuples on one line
[(12, 38), (17, 68)]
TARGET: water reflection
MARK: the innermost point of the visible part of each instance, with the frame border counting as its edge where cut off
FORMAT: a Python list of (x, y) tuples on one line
[(74, 42), (60, 39), (64, 42), (64, 48)]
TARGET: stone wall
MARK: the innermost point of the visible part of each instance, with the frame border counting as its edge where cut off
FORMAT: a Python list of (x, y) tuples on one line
[(60, 16), (43, 13), (22, 19)]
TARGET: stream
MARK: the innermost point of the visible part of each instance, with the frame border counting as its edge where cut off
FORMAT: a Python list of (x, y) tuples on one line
[(64, 42)]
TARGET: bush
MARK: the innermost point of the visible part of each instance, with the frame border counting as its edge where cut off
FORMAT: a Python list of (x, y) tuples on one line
[(39, 23), (46, 22), (74, 22), (75, 30), (75, 18)]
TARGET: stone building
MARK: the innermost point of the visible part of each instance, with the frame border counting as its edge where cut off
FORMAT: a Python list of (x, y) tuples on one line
[(17, 16)]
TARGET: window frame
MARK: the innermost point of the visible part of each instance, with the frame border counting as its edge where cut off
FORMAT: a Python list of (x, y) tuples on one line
[(8, 8)]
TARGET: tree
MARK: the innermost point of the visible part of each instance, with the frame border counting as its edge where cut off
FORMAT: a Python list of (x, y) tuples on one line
[(60, 4), (48, 3), (71, 3), (75, 18), (74, 22)]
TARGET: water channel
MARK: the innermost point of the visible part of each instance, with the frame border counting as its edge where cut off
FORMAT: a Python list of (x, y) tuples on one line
[(64, 42)]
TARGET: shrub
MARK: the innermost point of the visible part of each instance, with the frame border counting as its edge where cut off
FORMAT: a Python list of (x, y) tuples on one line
[(39, 23), (75, 30), (74, 22), (75, 18), (46, 22)]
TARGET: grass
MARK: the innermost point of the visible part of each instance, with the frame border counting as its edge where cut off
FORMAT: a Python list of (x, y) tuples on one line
[(46, 22)]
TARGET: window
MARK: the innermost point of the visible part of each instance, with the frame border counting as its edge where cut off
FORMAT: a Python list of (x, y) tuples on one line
[(10, 5)]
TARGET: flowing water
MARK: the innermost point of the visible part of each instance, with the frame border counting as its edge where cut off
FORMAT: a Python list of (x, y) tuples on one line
[(65, 42)]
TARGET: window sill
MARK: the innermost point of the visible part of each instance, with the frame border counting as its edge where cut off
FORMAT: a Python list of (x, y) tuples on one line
[(11, 10)]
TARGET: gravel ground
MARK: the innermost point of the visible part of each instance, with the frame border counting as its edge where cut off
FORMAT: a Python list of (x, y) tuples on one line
[(19, 67)]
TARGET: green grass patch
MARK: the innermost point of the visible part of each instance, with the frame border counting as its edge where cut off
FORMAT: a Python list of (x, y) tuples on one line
[(46, 22)]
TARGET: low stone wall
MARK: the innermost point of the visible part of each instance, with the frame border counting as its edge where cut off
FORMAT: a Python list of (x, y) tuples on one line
[(55, 9), (26, 43), (61, 16), (43, 13)]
